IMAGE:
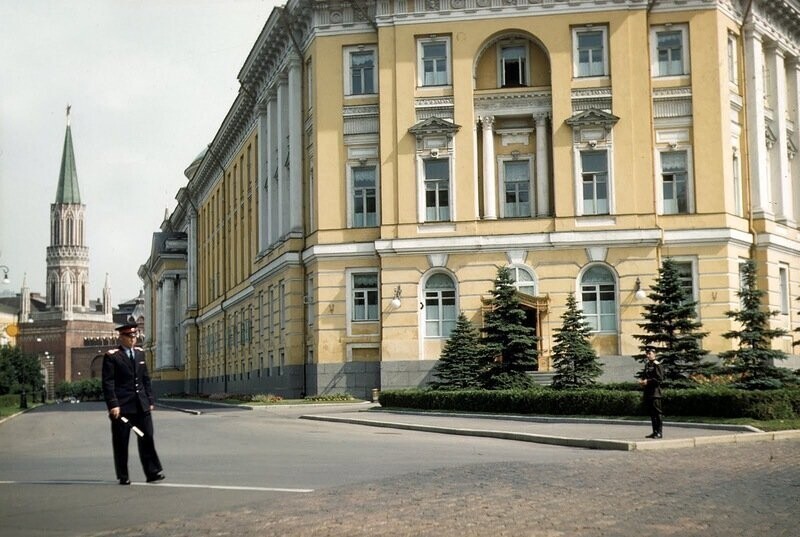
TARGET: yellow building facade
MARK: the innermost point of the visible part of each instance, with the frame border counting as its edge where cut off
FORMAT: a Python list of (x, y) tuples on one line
[(383, 159)]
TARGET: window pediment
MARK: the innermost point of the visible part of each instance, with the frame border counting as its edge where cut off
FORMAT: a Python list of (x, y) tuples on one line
[(434, 126), (592, 117)]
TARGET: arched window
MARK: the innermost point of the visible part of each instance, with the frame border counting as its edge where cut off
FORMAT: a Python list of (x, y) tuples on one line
[(440, 305), (523, 280), (599, 299)]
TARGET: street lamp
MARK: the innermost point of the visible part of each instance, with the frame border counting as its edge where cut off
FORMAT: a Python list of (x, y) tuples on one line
[(5, 270)]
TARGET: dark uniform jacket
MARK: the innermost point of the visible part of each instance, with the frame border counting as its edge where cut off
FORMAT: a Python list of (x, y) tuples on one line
[(126, 382), (654, 375)]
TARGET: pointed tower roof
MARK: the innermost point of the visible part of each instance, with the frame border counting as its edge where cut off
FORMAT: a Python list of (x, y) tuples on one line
[(68, 191)]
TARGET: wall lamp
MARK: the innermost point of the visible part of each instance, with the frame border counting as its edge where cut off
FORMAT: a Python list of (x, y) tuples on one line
[(638, 292), (5, 274), (395, 303)]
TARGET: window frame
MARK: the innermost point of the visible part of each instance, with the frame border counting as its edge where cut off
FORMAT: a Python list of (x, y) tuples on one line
[(421, 43), (442, 322), (351, 295), (347, 53), (502, 162), (424, 181), (685, 51), (581, 200), (595, 319), (576, 50), (533, 282), (351, 195), (524, 73), (689, 187), (784, 292)]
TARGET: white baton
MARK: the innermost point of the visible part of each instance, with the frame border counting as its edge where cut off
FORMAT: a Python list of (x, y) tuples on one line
[(134, 428)]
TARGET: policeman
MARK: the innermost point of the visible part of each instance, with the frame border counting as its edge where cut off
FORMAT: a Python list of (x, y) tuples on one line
[(127, 392), (652, 377)]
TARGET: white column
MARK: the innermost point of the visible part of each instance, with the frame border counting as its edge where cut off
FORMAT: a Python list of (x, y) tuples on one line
[(779, 170), (192, 258), (489, 179), (475, 180), (756, 119), (295, 120), (159, 325), (263, 177), (283, 152), (168, 322), (273, 199), (793, 91), (542, 167)]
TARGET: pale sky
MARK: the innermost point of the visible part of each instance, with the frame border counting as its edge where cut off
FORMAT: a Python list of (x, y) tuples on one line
[(149, 82)]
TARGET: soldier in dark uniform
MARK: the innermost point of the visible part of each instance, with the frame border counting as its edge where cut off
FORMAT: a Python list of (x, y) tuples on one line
[(652, 377), (126, 389)]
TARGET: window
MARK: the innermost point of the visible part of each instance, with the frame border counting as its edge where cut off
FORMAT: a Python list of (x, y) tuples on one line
[(270, 363), (437, 189), (674, 182), (686, 278), (282, 304), (365, 198), (589, 56), (599, 299), (523, 280), (513, 64), (737, 185), (365, 296), (434, 59), (594, 176), (360, 63), (309, 299), (670, 48), (733, 60), (440, 306), (517, 188), (783, 277)]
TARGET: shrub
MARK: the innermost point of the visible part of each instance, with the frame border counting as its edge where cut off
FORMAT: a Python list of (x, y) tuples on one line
[(266, 398), (84, 390), (331, 397)]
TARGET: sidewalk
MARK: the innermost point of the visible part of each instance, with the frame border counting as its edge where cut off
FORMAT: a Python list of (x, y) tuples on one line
[(589, 433)]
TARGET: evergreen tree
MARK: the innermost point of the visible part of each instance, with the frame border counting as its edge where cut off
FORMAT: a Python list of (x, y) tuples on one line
[(463, 357), (510, 342), (754, 357), (19, 371), (574, 359), (671, 325)]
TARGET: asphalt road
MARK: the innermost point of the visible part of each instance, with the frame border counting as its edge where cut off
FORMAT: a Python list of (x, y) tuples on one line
[(265, 472)]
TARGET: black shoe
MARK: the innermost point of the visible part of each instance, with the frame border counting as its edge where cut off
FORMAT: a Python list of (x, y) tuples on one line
[(124, 481), (155, 477), (653, 435)]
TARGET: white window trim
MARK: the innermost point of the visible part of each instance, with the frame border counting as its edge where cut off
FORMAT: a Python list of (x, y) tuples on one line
[(420, 68), (579, 294), (654, 30), (578, 180), (501, 72), (501, 182), (349, 305), (784, 289), (348, 82), (363, 156), (692, 260), (422, 320), (690, 203), (535, 279), (421, 209), (575, 58)]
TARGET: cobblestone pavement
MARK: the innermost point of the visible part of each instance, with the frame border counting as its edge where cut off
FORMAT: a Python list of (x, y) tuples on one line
[(723, 490)]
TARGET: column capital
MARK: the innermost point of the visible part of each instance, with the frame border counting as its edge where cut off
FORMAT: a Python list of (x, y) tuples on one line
[(487, 121)]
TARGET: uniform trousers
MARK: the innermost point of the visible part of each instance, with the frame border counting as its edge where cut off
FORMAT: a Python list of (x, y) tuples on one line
[(120, 438), (653, 405)]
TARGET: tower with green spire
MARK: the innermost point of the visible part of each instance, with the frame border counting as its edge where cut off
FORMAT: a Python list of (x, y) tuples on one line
[(67, 256)]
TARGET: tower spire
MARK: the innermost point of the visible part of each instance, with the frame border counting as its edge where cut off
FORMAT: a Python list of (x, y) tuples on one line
[(68, 191)]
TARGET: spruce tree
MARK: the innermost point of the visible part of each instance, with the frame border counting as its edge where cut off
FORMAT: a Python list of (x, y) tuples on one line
[(462, 360), (754, 357), (671, 325), (510, 342), (574, 359)]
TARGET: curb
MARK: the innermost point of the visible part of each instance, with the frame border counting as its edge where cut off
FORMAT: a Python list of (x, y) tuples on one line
[(589, 443)]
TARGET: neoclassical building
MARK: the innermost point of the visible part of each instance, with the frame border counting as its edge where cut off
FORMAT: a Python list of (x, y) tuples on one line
[(384, 158)]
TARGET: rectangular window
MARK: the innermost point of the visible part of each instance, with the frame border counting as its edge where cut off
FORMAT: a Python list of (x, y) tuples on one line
[(599, 306), (783, 276), (440, 312), (594, 176), (434, 60), (513, 66), (282, 305), (590, 52), (733, 60), (365, 297), (309, 299), (365, 199), (281, 362), (671, 46), (737, 186), (686, 277), (517, 188), (360, 65), (437, 190), (270, 363), (674, 182)]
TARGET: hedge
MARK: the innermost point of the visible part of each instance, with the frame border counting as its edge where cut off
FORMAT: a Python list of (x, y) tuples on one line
[(85, 390), (717, 402)]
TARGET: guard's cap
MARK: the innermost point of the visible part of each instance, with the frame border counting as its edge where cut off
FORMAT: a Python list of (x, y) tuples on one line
[(127, 329)]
